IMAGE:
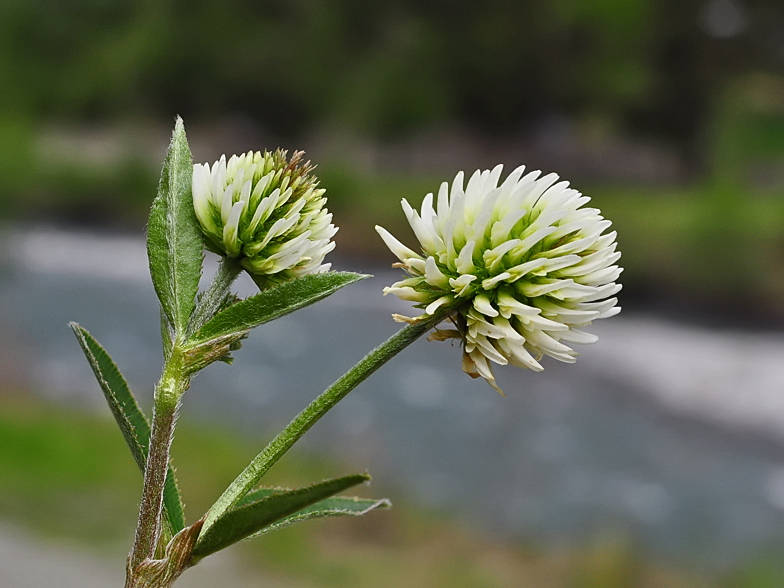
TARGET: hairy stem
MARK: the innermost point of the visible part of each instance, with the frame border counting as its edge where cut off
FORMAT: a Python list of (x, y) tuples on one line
[(314, 411), (228, 270), (167, 398), (168, 392)]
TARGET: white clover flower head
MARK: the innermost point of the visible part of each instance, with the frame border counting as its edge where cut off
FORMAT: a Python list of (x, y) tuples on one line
[(518, 268), (266, 212)]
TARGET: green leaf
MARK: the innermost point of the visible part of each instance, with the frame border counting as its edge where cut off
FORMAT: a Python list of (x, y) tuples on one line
[(335, 506), (167, 338), (129, 416), (250, 518), (274, 303), (175, 244)]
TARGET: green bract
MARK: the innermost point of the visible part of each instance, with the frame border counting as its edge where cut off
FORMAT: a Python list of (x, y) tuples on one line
[(265, 212)]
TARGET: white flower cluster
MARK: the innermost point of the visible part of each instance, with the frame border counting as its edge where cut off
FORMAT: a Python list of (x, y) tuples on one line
[(266, 212), (517, 267)]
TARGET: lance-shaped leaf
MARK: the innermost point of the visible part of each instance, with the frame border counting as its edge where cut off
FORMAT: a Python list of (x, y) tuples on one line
[(335, 506), (251, 517), (174, 239), (274, 303), (129, 416)]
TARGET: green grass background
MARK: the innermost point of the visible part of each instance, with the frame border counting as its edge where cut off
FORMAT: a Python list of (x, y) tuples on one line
[(67, 475)]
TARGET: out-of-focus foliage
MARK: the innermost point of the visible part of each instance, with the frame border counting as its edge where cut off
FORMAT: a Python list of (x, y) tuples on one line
[(382, 68), (683, 96), (74, 480)]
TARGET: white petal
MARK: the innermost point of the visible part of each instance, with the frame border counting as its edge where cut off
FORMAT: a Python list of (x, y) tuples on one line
[(443, 208), (486, 348), (473, 191), (457, 185), (465, 263), (482, 304), (502, 228), (245, 192), (558, 263), (494, 257), (600, 277), (435, 305), (575, 336), (434, 275), (518, 355), (491, 283), (201, 202), (612, 312), (531, 240), (495, 175), (425, 237), (227, 201), (482, 367), (231, 228), (546, 343), (416, 264), (521, 270), (459, 285), (406, 293), (508, 306), (540, 186), (545, 324), (396, 247)]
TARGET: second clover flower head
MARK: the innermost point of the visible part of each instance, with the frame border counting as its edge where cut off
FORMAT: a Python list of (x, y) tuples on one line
[(518, 267), (265, 212)]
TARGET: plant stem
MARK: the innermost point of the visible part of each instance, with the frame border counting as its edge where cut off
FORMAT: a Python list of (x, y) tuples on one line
[(168, 392), (228, 270), (167, 398), (313, 412)]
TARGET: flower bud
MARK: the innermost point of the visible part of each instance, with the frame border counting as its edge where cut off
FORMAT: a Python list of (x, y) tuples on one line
[(265, 212)]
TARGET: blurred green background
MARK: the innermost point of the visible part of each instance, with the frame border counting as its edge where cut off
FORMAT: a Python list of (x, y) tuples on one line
[(670, 114)]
